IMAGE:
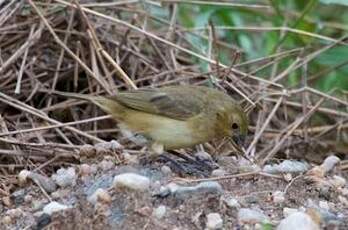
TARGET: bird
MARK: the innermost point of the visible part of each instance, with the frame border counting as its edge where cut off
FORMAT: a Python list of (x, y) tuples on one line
[(174, 117)]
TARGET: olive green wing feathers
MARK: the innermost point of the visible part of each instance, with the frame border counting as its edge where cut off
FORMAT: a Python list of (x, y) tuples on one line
[(167, 102)]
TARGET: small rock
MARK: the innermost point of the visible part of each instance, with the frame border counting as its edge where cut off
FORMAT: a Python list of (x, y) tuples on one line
[(214, 221), (43, 220), (344, 191), (329, 163), (218, 173), (28, 198), (343, 201), (130, 159), (278, 197), (131, 181), (203, 156), (37, 204), (7, 220), (288, 177), (298, 221), (61, 193), (65, 177), (144, 211), (87, 151), (6, 200), (106, 165), (251, 216), (100, 195), (22, 176), (232, 202), (45, 182), (166, 170), (159, 212), (112, 145), (182, 192), (287, 166), (324, 205), (54, 207), (288, 211), (338, 181), (14, 213), (85, 170)]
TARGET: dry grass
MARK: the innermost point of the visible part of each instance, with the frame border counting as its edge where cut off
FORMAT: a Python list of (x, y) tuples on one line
[(104, 48)]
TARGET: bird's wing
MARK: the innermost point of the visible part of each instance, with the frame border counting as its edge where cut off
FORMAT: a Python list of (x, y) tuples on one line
[(177, 104)]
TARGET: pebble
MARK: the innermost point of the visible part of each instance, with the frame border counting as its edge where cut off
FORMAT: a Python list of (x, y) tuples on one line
[(298, 221), (159, 212), (28, 198), (201, 155), (287, 166), (329, 163), (45, 182), (338, 181), (214, 221), (251, 216), (14, 213), (100, 195), (22, 176), (278, 197), (130, 159), (111, 145), (232, 202), (106, 165), (85, 169), (166, 170), (54, 207), (182, 192), (132, 181), (324, 205), (65, 177), (218, 173), (6, 220), (288, 211)]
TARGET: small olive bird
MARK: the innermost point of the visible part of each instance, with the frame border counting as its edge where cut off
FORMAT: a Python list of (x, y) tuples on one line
[(176, 116)]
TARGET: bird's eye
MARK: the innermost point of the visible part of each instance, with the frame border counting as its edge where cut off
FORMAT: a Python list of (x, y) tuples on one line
[(235, 126)]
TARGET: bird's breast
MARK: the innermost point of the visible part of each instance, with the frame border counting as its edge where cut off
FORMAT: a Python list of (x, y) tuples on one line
[(171, 133)]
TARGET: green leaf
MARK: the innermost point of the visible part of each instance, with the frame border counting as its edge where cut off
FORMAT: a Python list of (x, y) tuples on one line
[(338, 2)]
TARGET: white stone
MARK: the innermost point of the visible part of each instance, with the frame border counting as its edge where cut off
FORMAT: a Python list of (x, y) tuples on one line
[(65, 177), (159, 212), (246, 215), (218, 173), (324, 205), (22, 176), (287, 166), (214, 221), (298, 221), (278, 197), (54, 207), (288, 211), (329, 163), (132, 181), (338, 181), (232, 203)]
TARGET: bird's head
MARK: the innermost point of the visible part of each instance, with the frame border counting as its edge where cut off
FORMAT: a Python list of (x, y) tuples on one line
[(234, 123)]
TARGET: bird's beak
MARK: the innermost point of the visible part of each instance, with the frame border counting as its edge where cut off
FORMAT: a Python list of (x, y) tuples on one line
[(239, 140)]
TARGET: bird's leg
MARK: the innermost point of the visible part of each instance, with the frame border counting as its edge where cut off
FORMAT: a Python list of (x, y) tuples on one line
[(201, 164)]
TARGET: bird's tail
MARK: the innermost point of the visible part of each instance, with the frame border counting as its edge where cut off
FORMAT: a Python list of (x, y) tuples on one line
[(107, 104)]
